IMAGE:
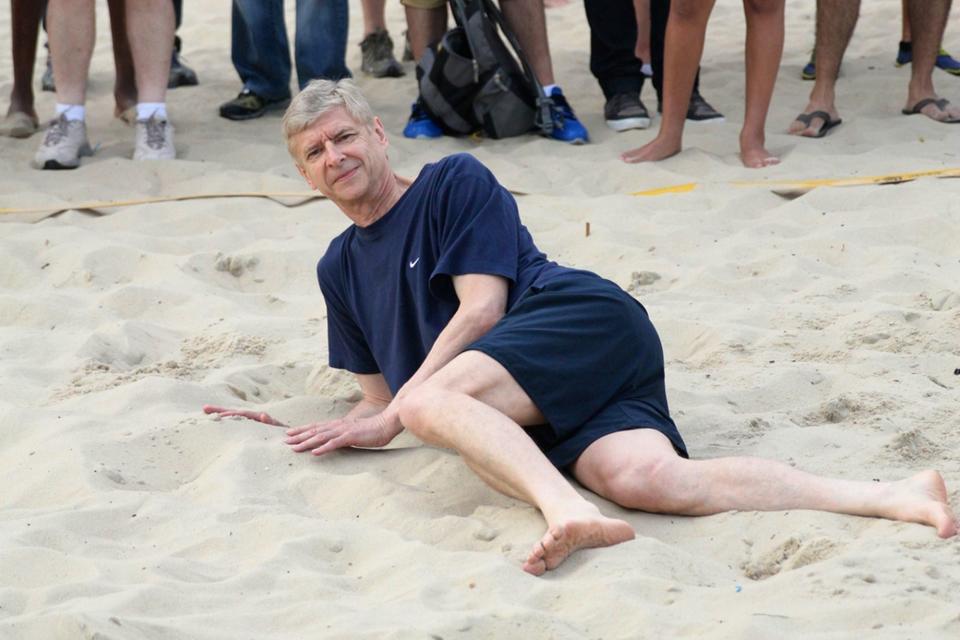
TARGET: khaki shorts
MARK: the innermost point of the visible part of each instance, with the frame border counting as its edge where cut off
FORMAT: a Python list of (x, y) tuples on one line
[(423, 4)]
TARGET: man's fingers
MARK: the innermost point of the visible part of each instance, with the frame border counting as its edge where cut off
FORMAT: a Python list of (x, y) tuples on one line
[(315, 440), (332, 445)]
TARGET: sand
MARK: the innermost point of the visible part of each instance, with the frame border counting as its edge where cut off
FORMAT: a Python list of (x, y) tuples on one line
[(823, 330)]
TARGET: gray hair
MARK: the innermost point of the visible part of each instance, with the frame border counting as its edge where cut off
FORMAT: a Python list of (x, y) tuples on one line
[(318, 97)]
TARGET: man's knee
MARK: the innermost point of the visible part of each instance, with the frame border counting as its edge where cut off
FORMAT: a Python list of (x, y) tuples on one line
[(416, 409), (763, 7), (646, 483), (690, 10)]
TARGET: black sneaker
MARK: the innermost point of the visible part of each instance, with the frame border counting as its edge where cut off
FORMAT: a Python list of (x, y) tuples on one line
[(377, 56), (701, 111), (625, 111), (248, 105), (46, 80), (180, 74)]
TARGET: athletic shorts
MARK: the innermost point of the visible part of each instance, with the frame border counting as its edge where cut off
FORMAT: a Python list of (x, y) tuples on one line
[(589, 358), (424, 4)]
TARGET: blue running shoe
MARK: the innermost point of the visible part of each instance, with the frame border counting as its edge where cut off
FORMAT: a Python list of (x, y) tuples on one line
[(566, 127), (420, 125), (809, 71), (948, 63), (904, 53)]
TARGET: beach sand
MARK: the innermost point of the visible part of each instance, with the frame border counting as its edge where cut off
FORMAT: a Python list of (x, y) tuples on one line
[(823, 330)]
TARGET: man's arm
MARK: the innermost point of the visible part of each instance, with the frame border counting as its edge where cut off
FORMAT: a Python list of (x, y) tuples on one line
[(483, 301)]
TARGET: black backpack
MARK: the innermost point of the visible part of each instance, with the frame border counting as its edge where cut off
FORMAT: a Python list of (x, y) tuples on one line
[(471, 81)]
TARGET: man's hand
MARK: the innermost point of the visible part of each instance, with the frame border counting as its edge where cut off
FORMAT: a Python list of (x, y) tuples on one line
[(323, 437)]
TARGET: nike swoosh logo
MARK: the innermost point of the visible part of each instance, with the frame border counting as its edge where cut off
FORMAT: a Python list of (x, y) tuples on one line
[(414, 263)]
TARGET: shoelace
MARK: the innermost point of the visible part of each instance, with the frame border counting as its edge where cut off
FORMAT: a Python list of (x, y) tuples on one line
[(56, 132), (155, 130)]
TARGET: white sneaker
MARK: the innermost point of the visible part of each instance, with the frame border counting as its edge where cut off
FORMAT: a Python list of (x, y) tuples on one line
[(154, 140), (63, 144)]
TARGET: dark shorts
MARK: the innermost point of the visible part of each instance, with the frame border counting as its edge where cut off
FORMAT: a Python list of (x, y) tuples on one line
[(588, 356)]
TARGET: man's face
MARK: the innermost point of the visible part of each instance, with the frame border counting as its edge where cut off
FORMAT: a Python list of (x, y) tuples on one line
[(344, 159)]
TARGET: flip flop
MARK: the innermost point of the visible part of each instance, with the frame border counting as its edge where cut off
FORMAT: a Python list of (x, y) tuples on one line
[(940, 104), (828, 123)]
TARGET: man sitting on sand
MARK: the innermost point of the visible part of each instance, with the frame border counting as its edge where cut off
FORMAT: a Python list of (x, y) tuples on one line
[(458, 329)]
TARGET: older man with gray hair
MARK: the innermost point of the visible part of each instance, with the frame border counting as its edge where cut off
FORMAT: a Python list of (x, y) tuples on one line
[(459, 329)]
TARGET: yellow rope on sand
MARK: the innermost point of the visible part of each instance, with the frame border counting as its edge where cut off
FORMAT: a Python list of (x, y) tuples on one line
[(111, 204), (802, 186)]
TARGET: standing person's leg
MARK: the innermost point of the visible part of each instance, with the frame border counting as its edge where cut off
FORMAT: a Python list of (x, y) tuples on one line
[(475, 407), (377, 47), (764, 48), (320, 44), (613, 34), (124, 84), (686, 30), (261, 55), (180, 74), (150, 25), (928, 19), (426, 24), (527, 20), (836, 20), (21, 120), (71, 29)]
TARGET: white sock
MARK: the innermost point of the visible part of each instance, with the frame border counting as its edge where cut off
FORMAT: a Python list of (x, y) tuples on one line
[(146, 110), (548, 89), (646, 70), (72, 111)]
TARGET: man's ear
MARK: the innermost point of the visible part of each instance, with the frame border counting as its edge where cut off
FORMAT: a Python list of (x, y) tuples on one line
[(380, 132)]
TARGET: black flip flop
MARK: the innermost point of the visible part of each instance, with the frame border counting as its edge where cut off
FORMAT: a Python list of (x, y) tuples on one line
[(940, 104), (828, 123)]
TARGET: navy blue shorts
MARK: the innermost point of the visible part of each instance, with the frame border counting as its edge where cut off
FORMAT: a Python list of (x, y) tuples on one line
[(589, 358)]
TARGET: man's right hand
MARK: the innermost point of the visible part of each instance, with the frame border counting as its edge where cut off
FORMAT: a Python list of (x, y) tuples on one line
[(323, 437)]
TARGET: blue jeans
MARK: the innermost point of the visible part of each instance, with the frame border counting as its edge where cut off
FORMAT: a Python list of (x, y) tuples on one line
[(261, 52)]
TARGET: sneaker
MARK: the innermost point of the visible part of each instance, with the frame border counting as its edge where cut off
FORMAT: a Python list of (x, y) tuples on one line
[(701, 111), (248, 105), (154, 140), (378, 60), (180, 74), (809, 71), (625, 111), (64, 143), (948, 63), (904, 53), (566, 127), (420, 125)]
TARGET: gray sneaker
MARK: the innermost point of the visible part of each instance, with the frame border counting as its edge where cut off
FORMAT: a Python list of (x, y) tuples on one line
[(378, 60), (63, 144), (154, 140), (624, 111)]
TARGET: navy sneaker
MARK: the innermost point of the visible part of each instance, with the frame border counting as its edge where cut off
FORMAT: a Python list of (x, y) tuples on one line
[(809, 70), (420, 125), (566, 127), (944, 60)]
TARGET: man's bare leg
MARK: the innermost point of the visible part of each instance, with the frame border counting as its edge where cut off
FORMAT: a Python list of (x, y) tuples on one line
[(928, 18), (124, 84), (71, 29), (763, 51), (836, 20), (424, 27), (639, 469), (150, 27), (475, 407), (374, 16), (25, 23), (529, 24), (686, 30)]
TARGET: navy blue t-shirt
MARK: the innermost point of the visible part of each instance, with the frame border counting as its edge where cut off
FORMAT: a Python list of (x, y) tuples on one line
[(388, 286)]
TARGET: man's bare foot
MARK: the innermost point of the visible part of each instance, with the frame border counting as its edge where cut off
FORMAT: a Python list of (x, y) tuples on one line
[(923, 499), (758, 158), (815, 127), (657, 149), (580, 531), (935, 108)]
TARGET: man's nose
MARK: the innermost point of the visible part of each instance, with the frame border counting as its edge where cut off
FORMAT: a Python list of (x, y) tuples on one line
[(332, 154)]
